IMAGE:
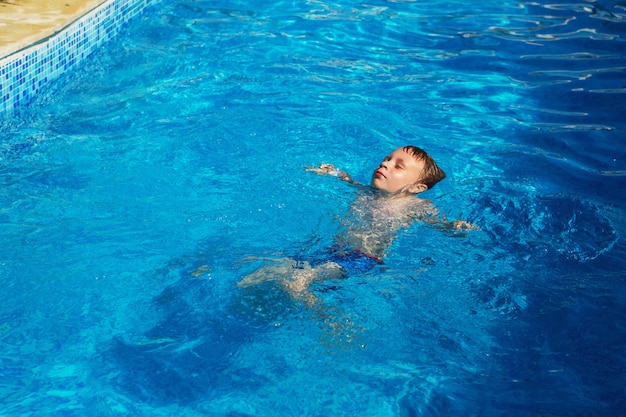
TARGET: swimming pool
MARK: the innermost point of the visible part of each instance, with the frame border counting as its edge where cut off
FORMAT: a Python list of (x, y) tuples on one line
[(183, 144)]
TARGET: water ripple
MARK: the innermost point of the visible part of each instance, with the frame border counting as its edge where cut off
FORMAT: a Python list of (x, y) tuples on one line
[(580, 75), (596, 11), (572, 56)]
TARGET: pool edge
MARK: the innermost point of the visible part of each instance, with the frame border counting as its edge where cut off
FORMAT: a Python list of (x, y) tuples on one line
[(25, 72)]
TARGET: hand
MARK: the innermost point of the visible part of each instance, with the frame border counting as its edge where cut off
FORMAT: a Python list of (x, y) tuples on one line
[(462, 225), (325, 169)]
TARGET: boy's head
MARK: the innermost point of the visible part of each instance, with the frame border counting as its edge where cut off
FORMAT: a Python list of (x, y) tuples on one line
[(408, 169)]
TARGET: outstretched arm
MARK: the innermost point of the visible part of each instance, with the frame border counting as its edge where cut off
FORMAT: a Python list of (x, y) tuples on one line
[(439, 221), (454, 225), (460, 225), (330, 169)]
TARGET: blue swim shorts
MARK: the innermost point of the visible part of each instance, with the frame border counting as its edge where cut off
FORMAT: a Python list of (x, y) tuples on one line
[(352, 260)]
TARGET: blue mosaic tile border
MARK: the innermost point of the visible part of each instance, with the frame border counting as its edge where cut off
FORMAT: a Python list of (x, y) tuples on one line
[(25, 72)]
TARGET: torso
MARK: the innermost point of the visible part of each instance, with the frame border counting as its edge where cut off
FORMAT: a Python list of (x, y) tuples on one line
[(374, 220)]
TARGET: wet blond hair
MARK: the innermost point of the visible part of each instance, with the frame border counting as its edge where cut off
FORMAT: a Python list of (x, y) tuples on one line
[(432, 174)]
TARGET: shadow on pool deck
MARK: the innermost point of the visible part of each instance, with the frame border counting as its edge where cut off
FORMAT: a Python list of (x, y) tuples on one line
[(26, 22)]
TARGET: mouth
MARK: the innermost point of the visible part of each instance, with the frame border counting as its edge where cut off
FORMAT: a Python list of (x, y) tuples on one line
[(379, 174)]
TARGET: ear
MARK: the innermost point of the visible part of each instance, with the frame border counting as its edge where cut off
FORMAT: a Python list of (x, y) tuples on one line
[(417, 188)]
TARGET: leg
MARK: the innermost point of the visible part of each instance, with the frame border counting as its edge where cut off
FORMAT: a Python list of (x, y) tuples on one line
[(281, 269), (302, 277), (294, 276)]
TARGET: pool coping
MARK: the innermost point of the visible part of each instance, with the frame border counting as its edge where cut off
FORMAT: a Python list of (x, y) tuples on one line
[(26, 22), (25, 72)]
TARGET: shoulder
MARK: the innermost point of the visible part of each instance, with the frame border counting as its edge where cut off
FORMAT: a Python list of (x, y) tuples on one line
[(421, 208)]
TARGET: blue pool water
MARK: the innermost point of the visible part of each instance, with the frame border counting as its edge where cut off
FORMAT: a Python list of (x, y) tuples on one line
[(183, 144)]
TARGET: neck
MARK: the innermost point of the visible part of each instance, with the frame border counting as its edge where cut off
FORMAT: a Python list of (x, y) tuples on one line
[(396, 195)]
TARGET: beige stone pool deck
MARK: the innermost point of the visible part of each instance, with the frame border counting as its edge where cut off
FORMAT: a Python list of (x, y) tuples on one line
[(26, 22)]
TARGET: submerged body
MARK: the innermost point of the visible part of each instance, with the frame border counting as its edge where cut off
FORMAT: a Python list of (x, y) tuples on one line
[(379, 212), (375, 219)]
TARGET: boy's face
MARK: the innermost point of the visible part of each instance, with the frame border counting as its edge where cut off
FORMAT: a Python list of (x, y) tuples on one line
[(399, 171)]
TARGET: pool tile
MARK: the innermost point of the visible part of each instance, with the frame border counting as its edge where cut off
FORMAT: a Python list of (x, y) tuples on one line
[(25, 72)]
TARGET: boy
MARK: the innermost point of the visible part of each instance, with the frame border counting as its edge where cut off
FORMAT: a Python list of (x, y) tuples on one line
[(374, 219)]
